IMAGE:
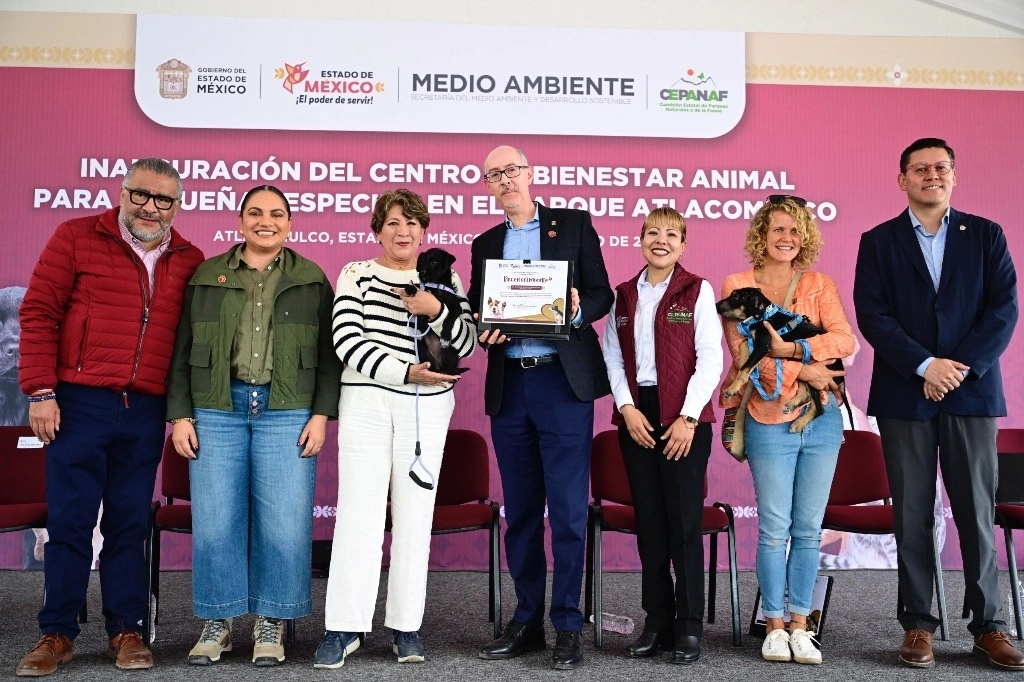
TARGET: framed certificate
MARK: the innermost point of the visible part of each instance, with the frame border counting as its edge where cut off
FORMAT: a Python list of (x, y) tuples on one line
[(526, 298)]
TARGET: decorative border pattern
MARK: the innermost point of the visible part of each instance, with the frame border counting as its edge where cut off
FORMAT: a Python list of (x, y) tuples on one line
[(805, 74), (24, 55), (895, 75)]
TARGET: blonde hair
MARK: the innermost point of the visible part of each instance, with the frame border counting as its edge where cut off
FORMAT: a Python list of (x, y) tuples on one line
[(756, 243), (670, 216)]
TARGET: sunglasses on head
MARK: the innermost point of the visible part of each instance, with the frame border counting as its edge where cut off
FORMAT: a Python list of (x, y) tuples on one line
[(777, 199)]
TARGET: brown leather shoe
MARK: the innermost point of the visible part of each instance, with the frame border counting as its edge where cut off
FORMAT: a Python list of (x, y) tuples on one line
[(916, 650), (1001, 653), (128, 652), (51, 650)]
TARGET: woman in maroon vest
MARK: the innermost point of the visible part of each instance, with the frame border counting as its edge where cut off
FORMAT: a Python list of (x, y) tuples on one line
[(664, 358)]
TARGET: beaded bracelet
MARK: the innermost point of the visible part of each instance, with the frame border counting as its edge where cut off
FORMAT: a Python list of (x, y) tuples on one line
[(42, 397), (190, 420)]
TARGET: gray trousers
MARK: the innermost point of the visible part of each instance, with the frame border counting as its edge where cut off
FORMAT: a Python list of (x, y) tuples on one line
[(965, 448)]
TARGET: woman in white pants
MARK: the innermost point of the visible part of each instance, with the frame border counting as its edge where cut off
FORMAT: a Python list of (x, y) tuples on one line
[(390, 402)]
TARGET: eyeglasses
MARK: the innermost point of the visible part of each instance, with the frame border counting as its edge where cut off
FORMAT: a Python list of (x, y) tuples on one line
[(510, 172), (141, 198), (777, 199), (921, 169)]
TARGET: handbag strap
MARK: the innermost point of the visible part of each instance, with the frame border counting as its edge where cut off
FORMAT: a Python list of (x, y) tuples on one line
[(791, 299), (791, 294)]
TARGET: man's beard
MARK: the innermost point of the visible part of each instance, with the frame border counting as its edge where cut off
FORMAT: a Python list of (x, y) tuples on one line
[(128, 220)]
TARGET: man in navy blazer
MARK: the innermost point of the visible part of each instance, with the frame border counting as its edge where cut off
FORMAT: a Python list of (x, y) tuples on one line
[(936, 296), (540, 397)]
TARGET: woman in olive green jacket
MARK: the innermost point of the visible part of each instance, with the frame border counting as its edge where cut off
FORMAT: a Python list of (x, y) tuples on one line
[(253, 382)]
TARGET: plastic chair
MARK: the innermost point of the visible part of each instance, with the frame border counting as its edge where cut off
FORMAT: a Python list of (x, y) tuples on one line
[(612, 510), (1010, 508), (23, 484), (173, 518), (860, 478), (462, 504)]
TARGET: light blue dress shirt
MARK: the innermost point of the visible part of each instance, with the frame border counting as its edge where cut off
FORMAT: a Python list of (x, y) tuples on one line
[(933, 248)]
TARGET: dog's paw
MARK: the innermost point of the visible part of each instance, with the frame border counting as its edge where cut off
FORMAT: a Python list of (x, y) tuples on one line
[(790, 408)]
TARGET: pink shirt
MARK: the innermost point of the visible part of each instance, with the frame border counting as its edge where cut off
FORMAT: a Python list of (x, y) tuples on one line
[(149, 257)]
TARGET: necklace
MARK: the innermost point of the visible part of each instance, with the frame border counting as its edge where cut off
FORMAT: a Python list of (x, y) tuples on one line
[(770, 286)]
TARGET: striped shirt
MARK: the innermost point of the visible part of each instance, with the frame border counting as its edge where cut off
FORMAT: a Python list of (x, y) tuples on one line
[(371, 335)]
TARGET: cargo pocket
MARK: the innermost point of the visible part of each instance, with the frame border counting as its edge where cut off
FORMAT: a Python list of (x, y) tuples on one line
[(199, 361)]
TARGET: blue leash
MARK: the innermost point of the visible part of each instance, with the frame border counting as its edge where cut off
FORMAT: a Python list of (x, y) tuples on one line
[(745, 328)]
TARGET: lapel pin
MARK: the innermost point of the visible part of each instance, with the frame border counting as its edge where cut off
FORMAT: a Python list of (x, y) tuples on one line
[(963, 228), (552, 233), (554, 222), (222, 279)]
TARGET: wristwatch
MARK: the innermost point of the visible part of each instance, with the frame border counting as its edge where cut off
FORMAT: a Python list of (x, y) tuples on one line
[(690, 420)]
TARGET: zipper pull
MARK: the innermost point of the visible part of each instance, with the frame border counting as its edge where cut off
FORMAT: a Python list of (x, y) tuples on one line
[(124, 394)]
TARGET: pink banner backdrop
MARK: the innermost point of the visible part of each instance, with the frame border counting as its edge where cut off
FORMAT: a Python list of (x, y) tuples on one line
[(67, 131)]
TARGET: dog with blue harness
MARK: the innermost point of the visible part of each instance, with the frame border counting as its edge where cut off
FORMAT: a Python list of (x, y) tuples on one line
[(751, 308)]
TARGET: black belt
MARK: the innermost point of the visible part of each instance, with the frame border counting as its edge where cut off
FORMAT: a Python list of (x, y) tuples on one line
[(531, 362)]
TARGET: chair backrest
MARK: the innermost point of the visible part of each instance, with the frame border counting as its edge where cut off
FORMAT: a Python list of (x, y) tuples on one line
[(608, 480), (860, 472), (174, 483), (465, 469), (22, 466), (1010, 448)]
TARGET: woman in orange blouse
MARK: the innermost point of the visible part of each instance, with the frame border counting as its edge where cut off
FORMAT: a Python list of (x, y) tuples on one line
[(792, 471)]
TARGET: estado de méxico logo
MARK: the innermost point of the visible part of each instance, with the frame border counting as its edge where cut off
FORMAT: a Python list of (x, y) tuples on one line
[(328, 86), (173, 77)]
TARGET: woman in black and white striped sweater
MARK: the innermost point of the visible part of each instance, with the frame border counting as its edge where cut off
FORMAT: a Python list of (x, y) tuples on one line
[(389, 404)]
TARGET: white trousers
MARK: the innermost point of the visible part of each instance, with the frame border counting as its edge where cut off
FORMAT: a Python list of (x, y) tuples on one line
[(376, 445)]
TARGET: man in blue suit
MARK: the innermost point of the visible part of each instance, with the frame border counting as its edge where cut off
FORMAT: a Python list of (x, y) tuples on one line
[(936, 296), (540, 397)]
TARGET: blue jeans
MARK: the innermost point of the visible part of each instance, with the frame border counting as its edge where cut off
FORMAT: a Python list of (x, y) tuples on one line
[(252, 510), (792, 479)]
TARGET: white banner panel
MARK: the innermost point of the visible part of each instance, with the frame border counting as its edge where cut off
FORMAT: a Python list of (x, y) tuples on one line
[(219, 72)]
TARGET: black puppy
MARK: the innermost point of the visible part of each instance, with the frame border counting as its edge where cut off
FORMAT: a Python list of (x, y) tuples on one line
[(435, 270), (750, 302)]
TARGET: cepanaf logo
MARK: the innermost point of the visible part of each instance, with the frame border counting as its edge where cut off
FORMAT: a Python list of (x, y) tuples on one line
[(694, 91), (292, 75)]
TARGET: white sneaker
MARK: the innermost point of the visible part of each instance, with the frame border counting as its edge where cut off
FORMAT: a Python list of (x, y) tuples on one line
[(801, 642), (776, 646), (215, 640)]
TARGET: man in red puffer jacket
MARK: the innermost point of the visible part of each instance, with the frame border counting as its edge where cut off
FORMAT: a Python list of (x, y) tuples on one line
[(97, 332)]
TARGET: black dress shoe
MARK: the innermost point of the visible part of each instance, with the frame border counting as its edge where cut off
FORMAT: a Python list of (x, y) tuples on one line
[(517, 639), (568, 651), (687, 649), (648, 644)]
